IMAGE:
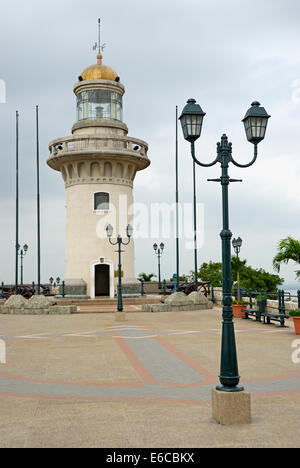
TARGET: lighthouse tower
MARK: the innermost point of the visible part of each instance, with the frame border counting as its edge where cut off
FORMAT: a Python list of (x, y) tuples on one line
[(98, 164)]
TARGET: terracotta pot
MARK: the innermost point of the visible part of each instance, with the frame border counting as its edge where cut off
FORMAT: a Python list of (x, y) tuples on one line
[(297, 325), (237, 310)]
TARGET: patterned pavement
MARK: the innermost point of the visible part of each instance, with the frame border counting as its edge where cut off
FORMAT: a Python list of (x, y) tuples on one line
[(164, 372)]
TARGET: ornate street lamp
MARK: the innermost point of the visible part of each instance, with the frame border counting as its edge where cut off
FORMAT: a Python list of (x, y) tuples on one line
[(237, 244), (22, 254), (119, 243), (191, 122), (54, 283), (255, 123), (159, 251)]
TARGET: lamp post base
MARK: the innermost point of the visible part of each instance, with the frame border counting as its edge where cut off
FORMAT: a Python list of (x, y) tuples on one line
[(223, 388), (120, 316), (231, 408)]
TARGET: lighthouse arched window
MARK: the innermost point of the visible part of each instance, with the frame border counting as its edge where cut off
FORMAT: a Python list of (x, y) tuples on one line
[(99, 104), (101, 201)]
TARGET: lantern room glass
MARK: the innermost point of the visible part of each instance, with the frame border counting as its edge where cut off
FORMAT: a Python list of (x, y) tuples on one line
[(99, 104)]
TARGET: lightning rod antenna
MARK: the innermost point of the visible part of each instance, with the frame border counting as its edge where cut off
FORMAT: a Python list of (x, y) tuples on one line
[(99, 43)]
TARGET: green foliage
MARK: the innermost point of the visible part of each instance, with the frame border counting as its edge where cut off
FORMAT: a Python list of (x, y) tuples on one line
[(147, 278), (261, 298), (240, 302), (211, 271), (256, 279), (181, 278), (288, 249), (294, 313), (237, 265)]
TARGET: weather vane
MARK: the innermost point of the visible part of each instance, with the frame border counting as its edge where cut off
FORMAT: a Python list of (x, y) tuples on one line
[(98, 45)]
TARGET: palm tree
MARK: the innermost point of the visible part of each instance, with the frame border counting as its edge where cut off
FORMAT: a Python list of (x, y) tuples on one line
[(236, 267), (145, 277), (288, 249)]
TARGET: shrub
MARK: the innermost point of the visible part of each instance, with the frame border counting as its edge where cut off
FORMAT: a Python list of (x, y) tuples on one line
[(294, 313)]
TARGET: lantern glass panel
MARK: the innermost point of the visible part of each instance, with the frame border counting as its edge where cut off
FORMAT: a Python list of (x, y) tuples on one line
[(255, 128), (109, 230), (129, 230)]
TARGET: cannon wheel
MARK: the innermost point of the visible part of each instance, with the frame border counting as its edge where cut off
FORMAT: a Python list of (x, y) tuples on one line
[(191, 288), (22, 291)]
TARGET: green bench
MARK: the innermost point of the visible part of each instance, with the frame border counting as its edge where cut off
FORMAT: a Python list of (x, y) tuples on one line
[(261, 311), (252, 312)]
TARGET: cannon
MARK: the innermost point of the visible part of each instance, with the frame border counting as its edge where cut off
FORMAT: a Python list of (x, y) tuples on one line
[(188, 287), (25, 291)]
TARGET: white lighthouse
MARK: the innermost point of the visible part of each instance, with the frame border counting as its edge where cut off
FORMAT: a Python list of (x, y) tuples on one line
[(98, 164)]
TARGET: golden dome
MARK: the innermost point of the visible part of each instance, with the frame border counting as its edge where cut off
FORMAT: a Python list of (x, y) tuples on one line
[(99, 72)]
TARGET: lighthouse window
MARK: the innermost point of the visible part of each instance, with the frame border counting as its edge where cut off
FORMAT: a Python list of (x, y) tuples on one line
[(101, 201), (99, 104)]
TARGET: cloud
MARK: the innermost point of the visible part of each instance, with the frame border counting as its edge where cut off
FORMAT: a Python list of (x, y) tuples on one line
[(225, 54)]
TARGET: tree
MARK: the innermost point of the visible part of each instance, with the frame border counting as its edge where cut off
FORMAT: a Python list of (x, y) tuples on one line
[(255, 279), (258, 279), (211, 271), (288, 249), (236, 267), (181, 278), (147, 278)]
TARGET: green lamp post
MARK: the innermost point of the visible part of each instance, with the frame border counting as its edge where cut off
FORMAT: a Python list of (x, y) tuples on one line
[(191, 121), (119, 243), (159, 251), (255, 123), (237, 244), (22, 254)]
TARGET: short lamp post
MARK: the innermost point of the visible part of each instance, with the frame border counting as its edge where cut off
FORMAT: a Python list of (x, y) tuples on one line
[(54, 284), (255, 123), (159, 251), (237, 244), (22, 254), (119, 243)]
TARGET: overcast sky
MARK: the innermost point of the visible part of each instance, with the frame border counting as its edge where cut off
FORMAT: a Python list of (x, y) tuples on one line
[(224, 54)]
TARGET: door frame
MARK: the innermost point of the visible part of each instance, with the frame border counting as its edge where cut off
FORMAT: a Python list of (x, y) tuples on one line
[(111, 277)]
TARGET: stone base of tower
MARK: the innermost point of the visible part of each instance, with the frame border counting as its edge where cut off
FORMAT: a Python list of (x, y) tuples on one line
[(74, 289), (131, 287)]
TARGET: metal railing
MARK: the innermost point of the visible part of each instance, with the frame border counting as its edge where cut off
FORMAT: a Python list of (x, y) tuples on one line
[(90, 144)]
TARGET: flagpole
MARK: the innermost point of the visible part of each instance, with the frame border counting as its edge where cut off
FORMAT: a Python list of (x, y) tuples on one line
[(17, 202), (38, 203), (177, 201)]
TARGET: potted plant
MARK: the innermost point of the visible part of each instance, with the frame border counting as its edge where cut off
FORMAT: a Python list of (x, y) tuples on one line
[(296, 317), (237, 308)]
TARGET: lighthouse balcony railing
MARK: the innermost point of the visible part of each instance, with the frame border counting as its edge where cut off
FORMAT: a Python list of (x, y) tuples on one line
[(91, 144)]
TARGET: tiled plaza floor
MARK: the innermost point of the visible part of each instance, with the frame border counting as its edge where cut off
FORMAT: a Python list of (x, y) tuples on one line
[(87, 380)]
